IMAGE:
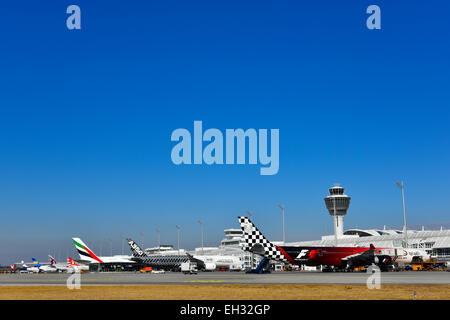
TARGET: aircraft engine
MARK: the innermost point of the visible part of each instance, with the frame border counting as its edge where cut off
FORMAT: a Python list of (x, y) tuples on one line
[(384, 260)]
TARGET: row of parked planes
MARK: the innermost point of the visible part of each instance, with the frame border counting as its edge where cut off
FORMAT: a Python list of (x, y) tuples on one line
[(331, 258)]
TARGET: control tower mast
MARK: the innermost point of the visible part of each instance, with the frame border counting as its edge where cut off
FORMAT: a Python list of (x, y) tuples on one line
[(337, 203)]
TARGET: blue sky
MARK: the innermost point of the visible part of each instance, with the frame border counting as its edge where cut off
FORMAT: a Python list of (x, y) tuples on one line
[(86, 118)]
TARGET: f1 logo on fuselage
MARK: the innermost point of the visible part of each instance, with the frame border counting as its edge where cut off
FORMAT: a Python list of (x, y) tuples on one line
[(303, 255)]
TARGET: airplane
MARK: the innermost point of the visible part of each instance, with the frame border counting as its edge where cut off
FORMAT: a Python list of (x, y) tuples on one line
[(167, 261), (76, 267), (43, 268), (22, 267), (70, 266), (336, 258), (61, 267), (52, 267), (26, 268), (405, 256), (88, 256)]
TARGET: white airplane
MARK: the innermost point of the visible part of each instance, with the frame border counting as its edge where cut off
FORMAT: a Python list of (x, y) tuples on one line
[(26, 269), (61, 267), (166, 260), (70, 266), (88, 256), (44, 267), (76, 267), (404, 256)]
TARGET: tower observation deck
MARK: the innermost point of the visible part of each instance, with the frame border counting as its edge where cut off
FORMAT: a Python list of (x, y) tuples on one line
[(337, 203)]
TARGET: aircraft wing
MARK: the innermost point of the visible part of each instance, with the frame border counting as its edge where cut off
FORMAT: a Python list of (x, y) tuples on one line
[(358, 256), (365, 256)]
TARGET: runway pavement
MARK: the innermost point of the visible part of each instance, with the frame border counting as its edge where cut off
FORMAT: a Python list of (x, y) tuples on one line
[(211, 278)]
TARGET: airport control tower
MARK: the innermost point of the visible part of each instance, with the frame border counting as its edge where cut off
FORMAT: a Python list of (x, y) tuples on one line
[(337, 203)]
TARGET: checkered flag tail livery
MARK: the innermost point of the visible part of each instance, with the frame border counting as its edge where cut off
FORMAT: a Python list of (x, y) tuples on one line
[(255, 239)]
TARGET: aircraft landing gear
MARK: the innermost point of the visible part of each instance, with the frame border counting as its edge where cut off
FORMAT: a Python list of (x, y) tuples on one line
[(328, 269)]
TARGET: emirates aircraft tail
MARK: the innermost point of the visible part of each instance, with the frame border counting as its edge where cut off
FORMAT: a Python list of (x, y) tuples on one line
[(85, 253)]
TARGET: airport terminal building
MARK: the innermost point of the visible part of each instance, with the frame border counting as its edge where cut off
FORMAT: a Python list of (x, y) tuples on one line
[(436, 243)]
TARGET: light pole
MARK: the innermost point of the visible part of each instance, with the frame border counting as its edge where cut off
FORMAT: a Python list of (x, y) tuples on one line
[(178, 231), (142, 244), (284, 235), (250, 214), (110, 242), (402, 186), (101, 247), (159, 238), (123, 243), (201, 224)]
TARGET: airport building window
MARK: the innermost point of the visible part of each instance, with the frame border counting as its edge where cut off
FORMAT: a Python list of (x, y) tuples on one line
[(442, 252), (429, 244)]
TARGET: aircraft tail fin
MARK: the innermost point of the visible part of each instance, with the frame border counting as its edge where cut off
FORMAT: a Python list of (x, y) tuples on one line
[(85, 253), (35, 262), (71, 262), (52, 260), (135, 249), (256, 242)]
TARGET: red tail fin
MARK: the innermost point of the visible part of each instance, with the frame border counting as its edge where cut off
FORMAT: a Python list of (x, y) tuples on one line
[(71, 262)]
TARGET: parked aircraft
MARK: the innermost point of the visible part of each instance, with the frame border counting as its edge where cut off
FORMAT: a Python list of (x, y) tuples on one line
[(405, 256), (70, 266), (165, 261), (88, 256), (43, 268), (335, 257), (24, 268)]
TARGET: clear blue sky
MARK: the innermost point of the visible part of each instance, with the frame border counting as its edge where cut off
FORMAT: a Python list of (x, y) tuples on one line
[(86, 117)]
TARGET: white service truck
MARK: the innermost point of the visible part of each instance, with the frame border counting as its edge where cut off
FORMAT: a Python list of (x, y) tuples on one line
[(189, 267)]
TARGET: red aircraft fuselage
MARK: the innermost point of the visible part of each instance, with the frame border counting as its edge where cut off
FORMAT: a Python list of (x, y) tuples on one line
[(315, 256)]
